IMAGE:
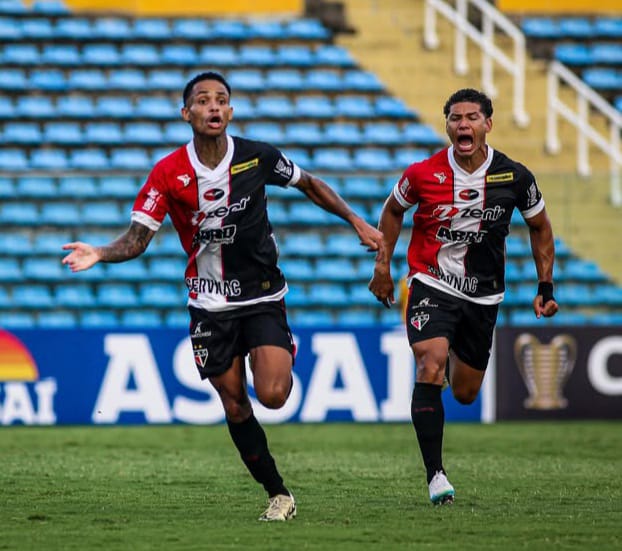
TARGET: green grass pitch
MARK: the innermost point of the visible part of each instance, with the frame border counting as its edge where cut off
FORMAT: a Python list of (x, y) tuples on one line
[(518, 486)]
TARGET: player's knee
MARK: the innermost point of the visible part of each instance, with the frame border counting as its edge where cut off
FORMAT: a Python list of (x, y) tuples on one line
[(464, 395), (275, 396)]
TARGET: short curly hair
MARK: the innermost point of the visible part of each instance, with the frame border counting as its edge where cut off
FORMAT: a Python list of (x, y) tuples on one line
[(472, 96)]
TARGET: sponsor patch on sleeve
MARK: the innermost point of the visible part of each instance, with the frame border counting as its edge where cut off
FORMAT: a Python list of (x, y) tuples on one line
[(241, 167), (497, 178)]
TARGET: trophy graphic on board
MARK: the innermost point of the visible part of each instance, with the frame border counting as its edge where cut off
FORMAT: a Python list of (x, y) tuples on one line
[(545, 368)]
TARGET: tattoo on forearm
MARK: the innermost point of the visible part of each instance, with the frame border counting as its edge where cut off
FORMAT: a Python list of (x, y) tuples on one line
[(131, 244)]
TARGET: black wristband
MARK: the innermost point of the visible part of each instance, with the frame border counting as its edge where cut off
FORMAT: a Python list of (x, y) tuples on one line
[(545, 289)]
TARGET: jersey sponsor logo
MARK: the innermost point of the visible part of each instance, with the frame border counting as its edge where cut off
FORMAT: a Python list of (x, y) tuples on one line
[(462, 284), (236, 169), (153, 196), (446, 235), (224, 235), (419, 319), (403, 187), (445, 212), (202, 285), (532, 195), (223, 211), (199, 332), (441, 177), (284, 167), (213, 194), (184, 179), (498, 178), (468, 194)]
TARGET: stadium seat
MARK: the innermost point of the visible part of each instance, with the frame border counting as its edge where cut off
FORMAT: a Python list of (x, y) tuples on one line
[(65, 133), (53, 159), (246, 80), (257, 56), (99, 319), (179, 54), (190, 29), (373, 158), (610, 295), (575, 27), (89, 159), (382, 133), (10, 270), (17, 320), (77, 29), (306, 133), (323, 80), (43, 269), (300, 156), (103, 213), (60, 54), (77, 187), (220, 55), (296, 55), (167, 269), (142, 55), (280, 107), (574, 294), (118, 187), (277, 213), (156, 107), (33, 296), (112, 28), (177, 133), (333, 158), (160, 295), (319, 107), (22, 133), (48, 80), (141, 318), (361, 81), (130, 158), (169, 80), (269, 29), (19, 214), (52, 8), (143, 133), (51, 242), (312, 318), (13, 7), (306, 213), (583, 270), (135, 270), (296, 295), (116, 295), (37, 28), (394, 108), (38, 187), (156, 29), (127, 79), (335, 269), (328, 294), (297, 269), (608, 27), (285, 79), (306, 29), (541, 27), (422, 134), (87, 79), (229, 30), (343, 133), (363, 187), (603, 78), (15, 244), (35, 107), (574, 54), (7, 108), (20, 55), (354, 318), (265, 131), (177, 319), (333, 56), (103, 133), (607, 54), (80, 107), (354, 107), (101, 54), (302, 244), (57, 320), (60, 214)]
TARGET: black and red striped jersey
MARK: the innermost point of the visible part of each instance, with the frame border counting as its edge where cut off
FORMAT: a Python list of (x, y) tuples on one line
[(221, 217), (461, 221)]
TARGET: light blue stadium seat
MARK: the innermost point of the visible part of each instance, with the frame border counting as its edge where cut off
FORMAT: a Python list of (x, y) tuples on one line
[(541, 27), (143, 55), (20, 54), (576, 27), (608, 27), (130, 158), (7, 187), (362, 81), (7, 108), (119, 187), (306, 133), (285, 79), (265, 131), (50, 7), (61, 214), (66, 133), (306, 213), (102, 133), (22, 133), (583, 270), (382, 133), (603, 78), (177, 319), (112, 28), (220, 55), (277, 213), (138, 319), (306, 29), (51, 242), (297, 269), (607, 295), (144, 133), (17, 320), (73, 28), (524, 317), (135, 270), (243, 108), (517, 246), (422, 134), (513, 272), (166, 243), (257, 56), (373, 158), (365, 187), (52, 80), (116, 295), (157, 29), (179, 54), (296, 55), (95, 274), (10, 270), (394, 108), (604, 53), (167, 269), (75, 106), (37, 28), (43, 269), (13, 7), (319, 107), (520, 295), (87, 79), (517, 219), (323, 79), (569, 317), (354, 106), (19, 214), (333, 56), (57, 320), (279, 106), (268, 29), (99, 318), (35, 107), (172, 80), (10, 29), (112, 107), (606, 318), (312, 318), (127, 79), (303, 244), (54, 159), (38, 187), (177, 133), (13, 79), (190, 29), (101, 54), (343, 133), (156, 107), (77, 187), (333, 158), (91, 158), (335, 269), (103, 213), (300, 156), (229, 29), (296, 295), (574, 54), (15, 244), (328, 294), (35, 296), (355, 318), (60, 54), (577, 294), (161, 295)]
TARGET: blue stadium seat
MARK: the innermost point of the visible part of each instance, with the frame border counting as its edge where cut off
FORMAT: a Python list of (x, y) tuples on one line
[(99, 318), (10, 270), (75, 106), (5, 302), (127, 79), (60, 54), (102, 133), (575, 27), (116, 295), (354, 106), (167, 269), (320, 107), (10, 29), (329, 294), (60, 214), (257, 56), (541, 27), (51, 242), (141, 318), (35, 107), (119, 187), (306, 29), (190, 29), (524, 317), (606, 53), (312, 318), (574, 54), (220, 55), (161, 295), (373, 158), (285, 79), (15, 244), (7, 108), (277, 213), (303, 244), (607, 295), (179, 54), (144, 133), (33, 296), (387, 106), (52, 80), (112, 28), (513, 272), (53, 159), (13, 7), (297, 269), (268, 29), (265, 131), (323, 79), (382, 133), (583, 270), (343, 133), (57, 320), (22, 133), (280, 107), (229, 29), (103, 213), (130, 158), (136, 270), (101, 54), (89, 159), (300, 156), (13, 79), (73, 28), (77, 187), (177, 319), (294, 55), (19, 214), (335, 269), (20, 54), (606, 318), (574, 294), (156, 107), (569, 317), (66, 133), (306, 133), (177, 133), (296, 295), (355, 318), (17, 320), (333, 158), (172, 80), (95, 273), (517, 246), (608, 27), (365, 187), (38, 187), (49, 7), (37, 28), (43, 269), (157, 29), (333, 56), (603, 78), (87, 79), (143, 55), (243, 108), (422, 134), (113, 107), (361, 81), (309, 214)]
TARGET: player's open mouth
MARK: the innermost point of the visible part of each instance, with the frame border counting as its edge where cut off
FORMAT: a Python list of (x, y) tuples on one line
[(214, 122), (464, 143)]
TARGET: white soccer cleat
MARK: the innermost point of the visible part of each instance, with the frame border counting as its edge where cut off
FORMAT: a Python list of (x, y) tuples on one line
[(441, 491), (280, 508)]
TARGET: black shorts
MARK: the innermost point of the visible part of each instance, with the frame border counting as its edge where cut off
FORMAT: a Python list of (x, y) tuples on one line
[(468, 326), (218, 337)]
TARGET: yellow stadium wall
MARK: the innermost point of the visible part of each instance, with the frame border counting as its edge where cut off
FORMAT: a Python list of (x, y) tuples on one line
[(570, 7), (175, 7)]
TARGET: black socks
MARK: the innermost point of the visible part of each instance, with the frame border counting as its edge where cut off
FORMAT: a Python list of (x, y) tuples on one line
[(250, 440), (428, 416)]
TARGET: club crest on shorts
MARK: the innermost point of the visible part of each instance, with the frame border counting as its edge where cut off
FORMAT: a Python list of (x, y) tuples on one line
[(419, 320), (200, 356)]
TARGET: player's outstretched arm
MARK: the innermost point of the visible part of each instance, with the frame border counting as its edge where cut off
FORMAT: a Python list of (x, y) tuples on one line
[(129, 245), (324, 196)]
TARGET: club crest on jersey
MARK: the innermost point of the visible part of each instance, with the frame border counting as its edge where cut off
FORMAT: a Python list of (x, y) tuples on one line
[(184, 179), (419, 320), (441, 177), (236, 169)]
